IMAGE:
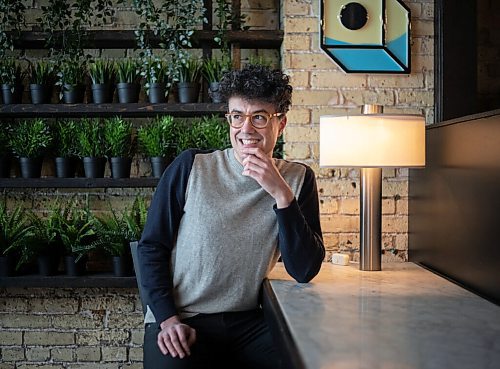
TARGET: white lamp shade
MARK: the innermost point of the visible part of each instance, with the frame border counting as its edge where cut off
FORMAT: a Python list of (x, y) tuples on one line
[(378, 140)]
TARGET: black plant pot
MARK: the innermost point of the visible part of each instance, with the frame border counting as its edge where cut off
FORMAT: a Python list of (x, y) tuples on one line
[(188, 92), (94, 167), (65, 167), (31, 167), (214, 92), (157, 93), (7, 264), (73, 94), (5, 166), (127, 92), (47, 264), (122, 266), (75, 268), (120, 167), (101, 93), (40, 94), (12, 96), (158, 165)]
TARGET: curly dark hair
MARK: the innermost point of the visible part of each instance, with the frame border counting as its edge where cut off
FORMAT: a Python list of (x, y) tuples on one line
[(258, 82)]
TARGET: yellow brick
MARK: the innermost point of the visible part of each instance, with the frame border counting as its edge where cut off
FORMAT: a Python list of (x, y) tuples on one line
[(378, 96), (298, 116), (423, 46), (332, 187), (388, 173), (328, 205), (310, 61), (299, 79), (349, 206), (401, 241), (402, 206), (337, 79), (422, 27), (394, 224), (393, 188), (302, 134), (340, 223), (388, 206), (416, 9), (422, 63), (315, 150), (297, 42), (301, 24), (415, 97), (297, 151), (315, 97), (331, 240), (349, 241), (317, 112), (296, 8), (261, 19), (412, 80)]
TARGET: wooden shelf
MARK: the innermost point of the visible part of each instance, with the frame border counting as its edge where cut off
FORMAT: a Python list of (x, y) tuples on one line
[(119, 39), (107, 110), (62, 281), (51, 182)]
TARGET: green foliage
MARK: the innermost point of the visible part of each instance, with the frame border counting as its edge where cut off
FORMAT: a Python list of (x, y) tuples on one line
[(118, 137), (11, 19), (278, 151), (11, 72), (31, 138), (190, 70), (227, 20), (90, 140), (158, 137), (65, 138), (41, 72), (15, 228), (5, 134), (210, 133), (214, 68), (260, 60), (118, 230), (156, 70), (128, 70), (101, 71), (71, 71)]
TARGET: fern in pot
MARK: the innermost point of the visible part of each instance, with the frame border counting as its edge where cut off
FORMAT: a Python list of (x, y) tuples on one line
[(71, 79), (30, 140), (156, 74), (11, 81), (213, 70), (188, 87), (65, 147), (128, 75), (102, 74), (90, 147), (41, 76), (157, 141), (210, 132), (5, 151), (119, 144)]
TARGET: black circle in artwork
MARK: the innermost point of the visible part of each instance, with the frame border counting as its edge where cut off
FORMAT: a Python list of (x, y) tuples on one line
[(353, 16)]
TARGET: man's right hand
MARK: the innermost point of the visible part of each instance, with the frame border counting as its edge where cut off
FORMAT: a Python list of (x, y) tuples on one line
[(175, 337)]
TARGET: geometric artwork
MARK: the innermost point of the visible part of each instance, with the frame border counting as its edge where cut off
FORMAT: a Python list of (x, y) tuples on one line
[(367, 36)]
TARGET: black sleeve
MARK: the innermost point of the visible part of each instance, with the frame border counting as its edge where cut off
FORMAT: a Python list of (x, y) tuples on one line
[(299, 233), (160, 232)]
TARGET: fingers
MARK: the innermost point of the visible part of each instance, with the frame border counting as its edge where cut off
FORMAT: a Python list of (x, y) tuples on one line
[(176, 340)]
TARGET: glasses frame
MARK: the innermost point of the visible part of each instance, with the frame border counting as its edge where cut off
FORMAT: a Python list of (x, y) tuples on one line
[(245, 116)]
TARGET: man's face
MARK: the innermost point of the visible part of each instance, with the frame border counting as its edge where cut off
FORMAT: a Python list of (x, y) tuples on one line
[(248, 136)]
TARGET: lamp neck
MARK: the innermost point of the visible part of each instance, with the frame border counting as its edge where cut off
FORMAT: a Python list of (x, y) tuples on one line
[(372, 109)]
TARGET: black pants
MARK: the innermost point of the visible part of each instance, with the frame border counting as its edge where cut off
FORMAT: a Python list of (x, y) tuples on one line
[(225, 340)]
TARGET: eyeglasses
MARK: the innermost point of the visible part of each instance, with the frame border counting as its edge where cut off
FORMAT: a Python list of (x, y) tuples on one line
[(258, 120)]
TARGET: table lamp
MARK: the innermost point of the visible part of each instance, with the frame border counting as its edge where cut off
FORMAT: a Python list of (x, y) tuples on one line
[(371, 141)]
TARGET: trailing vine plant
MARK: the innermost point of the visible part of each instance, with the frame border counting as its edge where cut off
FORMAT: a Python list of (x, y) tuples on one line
[(227, 20), (11, 20)]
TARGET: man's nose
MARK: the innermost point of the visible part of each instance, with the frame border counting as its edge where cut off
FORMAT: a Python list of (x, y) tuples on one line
[(247, 124)]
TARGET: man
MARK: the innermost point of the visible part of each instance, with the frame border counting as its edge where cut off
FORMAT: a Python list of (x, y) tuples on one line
[(216, 226)]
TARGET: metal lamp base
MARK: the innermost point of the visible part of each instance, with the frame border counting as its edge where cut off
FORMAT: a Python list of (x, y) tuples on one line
[(371, 219)]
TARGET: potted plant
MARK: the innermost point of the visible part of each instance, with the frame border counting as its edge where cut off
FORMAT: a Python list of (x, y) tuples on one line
[(102, 74), (210, 132), (128, 74), (157, 142), (65, 147), (90, 147), (46, 244), (213, 69), (78, 237), (188, 87), (30, 140), (15, 233), (71, 79), (5, 151), (11, 80), (157, 79), (119, 145), (41, 76)]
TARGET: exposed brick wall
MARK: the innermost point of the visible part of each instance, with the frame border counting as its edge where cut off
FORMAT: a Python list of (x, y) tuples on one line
[(321, 88)]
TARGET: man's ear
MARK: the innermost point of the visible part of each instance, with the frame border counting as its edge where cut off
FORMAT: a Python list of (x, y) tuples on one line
[(282, 125)]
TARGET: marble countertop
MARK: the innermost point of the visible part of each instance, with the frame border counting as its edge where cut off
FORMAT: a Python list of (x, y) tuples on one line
[(403, 317)]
